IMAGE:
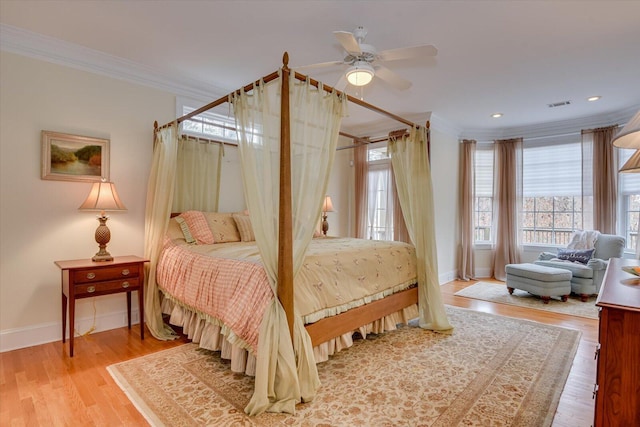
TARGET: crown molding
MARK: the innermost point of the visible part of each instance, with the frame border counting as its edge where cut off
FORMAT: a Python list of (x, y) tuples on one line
[(556, 128), (27, 43)]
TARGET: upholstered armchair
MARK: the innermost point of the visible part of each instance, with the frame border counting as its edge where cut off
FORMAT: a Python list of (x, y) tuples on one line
[(587, 278)]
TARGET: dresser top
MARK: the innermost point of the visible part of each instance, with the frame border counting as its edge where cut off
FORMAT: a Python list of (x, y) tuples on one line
[(619, 288), (88, 263)]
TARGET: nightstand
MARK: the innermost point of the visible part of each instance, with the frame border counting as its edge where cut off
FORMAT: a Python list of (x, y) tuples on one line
[(83, 278)]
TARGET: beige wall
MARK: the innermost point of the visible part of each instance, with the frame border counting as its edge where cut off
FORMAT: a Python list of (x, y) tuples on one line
[(39, 220)]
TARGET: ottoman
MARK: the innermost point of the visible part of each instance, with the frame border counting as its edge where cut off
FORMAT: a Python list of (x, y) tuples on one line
[(539, 280)]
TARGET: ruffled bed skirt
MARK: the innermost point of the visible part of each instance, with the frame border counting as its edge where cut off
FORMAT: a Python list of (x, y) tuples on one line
[(210, 336)]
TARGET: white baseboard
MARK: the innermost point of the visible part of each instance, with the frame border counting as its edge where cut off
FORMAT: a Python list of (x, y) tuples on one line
[(447, 277), (13, 339)]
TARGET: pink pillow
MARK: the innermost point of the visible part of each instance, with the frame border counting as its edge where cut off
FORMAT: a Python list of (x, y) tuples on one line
[(198, 227)]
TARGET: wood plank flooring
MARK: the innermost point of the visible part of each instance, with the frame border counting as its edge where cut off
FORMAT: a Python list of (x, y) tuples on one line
[(42, 386)]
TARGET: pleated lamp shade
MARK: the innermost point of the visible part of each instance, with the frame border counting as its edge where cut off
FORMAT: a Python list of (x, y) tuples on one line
[(629, 135), (633, 164)]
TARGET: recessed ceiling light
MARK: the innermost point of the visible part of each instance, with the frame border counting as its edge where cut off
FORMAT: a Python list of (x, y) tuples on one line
[(496, 115), (593, 98)]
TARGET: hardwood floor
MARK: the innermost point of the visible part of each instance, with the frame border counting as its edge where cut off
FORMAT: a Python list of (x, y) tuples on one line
[(42, 386)]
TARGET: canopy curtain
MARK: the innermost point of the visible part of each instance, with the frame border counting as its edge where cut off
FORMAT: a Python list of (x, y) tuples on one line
[(282, 378), (601, 163), (409, 154), (400, 232), (199, 164), (507, 201), (467, 210), (160, 190)]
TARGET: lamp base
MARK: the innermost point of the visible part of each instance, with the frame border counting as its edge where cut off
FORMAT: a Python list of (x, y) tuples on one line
[(325, 225), (103, 235), (100, 257)]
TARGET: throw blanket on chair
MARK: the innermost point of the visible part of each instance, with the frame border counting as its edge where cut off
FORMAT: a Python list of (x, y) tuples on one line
[(583, 239)]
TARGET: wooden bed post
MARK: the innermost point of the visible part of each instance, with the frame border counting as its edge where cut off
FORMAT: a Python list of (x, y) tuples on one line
[(285, 237)]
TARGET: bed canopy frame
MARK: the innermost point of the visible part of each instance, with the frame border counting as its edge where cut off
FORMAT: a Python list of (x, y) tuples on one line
[(274, 390), (330, 327)]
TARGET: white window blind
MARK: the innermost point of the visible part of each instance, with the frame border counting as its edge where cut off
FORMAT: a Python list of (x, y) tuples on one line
[(552, 169), (484, 170)]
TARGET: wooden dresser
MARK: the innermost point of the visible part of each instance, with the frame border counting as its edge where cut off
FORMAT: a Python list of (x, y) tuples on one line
[(617, 390)]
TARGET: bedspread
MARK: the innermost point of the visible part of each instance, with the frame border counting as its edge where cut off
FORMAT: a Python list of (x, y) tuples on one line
[(227, 283)]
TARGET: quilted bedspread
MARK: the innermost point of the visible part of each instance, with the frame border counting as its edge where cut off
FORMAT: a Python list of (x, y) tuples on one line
[(227, 281)]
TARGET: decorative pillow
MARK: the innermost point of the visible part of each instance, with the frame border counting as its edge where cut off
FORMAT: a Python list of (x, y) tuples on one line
[(244, 227), (581, 256), (198, 227), (222, 226), (185, 231)]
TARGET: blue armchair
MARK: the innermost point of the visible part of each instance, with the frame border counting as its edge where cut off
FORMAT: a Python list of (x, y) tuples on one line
[(587, 278)]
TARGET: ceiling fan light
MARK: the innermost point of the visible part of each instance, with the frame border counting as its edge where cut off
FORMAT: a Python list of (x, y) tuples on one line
[(360, 73)]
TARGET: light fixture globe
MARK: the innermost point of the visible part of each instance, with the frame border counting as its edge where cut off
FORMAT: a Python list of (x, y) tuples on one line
[(360, 73)]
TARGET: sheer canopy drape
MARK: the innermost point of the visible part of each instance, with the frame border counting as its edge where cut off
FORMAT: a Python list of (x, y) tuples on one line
[(285, 377), (199, 164), (409, 154), (160, 190), (467, 210), (507, 190)]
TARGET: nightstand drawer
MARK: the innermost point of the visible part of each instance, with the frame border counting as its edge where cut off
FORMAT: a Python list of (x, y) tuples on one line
[(89, 289), (106, 273)]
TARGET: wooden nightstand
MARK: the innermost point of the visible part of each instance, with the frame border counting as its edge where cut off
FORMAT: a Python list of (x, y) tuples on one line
[(83, 278)]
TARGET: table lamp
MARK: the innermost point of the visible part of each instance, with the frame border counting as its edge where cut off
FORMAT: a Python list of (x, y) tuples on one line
[(327, 206), (103, 197)]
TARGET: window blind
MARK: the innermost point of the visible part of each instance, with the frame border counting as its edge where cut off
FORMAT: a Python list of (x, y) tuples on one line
[(484, 170), (552, 169)]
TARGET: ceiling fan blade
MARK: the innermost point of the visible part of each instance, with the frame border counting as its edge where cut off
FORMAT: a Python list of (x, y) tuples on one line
[(392, 78), (319, 65), (348, 41), (408, 52)]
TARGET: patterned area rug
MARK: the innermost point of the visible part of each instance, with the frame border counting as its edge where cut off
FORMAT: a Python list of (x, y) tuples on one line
[(497, 292), (491, 370)]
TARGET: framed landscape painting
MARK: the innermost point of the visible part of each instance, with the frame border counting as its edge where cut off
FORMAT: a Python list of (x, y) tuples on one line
[(74, 158)]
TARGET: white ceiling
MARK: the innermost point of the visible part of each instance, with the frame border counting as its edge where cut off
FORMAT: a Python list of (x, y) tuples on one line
[(513, 57)]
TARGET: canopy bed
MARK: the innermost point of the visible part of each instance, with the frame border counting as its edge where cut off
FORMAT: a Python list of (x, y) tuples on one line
[(286, 146)]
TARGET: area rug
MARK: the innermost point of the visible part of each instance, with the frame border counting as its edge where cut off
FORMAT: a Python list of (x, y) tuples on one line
[(491, 370), (497, 292)]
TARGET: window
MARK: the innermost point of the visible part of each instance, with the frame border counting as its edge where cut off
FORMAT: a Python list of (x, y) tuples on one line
[(552, 192), (483, 215), (380, 202), (210, 124), (628, 202)]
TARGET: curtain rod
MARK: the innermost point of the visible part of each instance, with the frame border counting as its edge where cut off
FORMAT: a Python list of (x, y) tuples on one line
[(301, 77)]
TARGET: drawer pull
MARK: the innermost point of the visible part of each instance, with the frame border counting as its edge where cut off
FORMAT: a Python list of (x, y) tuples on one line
[(595, 357), (91, 275), (595, 391), (91, 289), (125, 272), (125, 284)]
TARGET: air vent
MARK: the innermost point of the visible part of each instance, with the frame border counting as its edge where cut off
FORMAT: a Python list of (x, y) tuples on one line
[(559, 104)]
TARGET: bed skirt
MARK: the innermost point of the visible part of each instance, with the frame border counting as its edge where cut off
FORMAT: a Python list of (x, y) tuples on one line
[(210, 336)]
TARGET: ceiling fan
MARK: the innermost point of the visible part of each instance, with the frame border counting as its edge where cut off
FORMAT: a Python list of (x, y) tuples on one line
[(365, 62)]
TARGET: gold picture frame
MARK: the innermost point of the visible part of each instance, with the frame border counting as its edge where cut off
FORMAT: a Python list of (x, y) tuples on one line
[(67, 157)]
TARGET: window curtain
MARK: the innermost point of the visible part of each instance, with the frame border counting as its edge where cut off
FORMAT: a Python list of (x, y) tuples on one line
[(467, 209), (361, 169), (379, 200), (160, 190), (400, 232), (409, 154), (198, 169), (283, 377), (507, 191), (604, 173)]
